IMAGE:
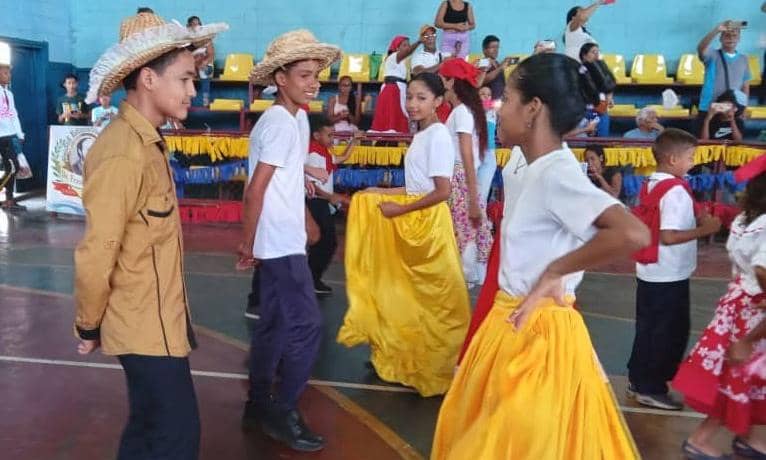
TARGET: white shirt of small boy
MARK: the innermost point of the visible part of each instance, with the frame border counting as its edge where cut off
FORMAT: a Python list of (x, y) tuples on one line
[(549, 211), (429, 155), (460, 120), (747, 249), (676, 262), (281, 140)]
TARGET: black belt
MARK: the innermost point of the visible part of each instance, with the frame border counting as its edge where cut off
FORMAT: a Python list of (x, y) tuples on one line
[(394, 80)]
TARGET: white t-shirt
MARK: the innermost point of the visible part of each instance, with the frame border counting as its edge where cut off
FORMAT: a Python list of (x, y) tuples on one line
[(429, 155), (461, 120), (425, 59), (395, 69), (316, 160), (574, 40), (676, 262), (747, 249), (282, 140), (549, 211)]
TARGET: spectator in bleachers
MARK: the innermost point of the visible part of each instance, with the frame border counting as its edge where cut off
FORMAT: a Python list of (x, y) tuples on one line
[(494, 75), (723, 121), (455, 19), (648, 127), (604, 81), (204, 57), (607, 178), (429, 58), (344, 110), (719, 63), (575, 34), (390, 113)]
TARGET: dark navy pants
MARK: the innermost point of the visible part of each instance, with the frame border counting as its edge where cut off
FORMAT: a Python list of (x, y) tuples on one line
[(287, 334), (164, 419), (663, 320)]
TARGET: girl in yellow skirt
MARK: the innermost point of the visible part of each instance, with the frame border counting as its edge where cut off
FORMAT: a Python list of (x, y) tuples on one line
[(407, 296), (530, 385)]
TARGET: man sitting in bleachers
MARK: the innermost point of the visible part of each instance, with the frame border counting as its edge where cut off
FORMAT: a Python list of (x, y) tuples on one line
[(647, 125)]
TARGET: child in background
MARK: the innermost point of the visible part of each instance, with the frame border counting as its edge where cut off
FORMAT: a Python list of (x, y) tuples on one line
[(662, 295), (710, 383), (103, 114), (390, 113), (324, 202), (71, 107), (488, 166)]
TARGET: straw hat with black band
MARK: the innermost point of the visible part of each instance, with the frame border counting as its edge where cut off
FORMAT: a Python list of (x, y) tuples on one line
[(298, 45), (143, 38)]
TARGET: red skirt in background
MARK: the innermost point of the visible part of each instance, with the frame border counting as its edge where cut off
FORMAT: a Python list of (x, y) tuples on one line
[(388, 111), (709, 384)]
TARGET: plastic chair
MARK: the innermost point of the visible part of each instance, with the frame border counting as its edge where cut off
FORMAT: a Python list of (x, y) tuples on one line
[(691, 71), (237, 67), (226, 105), (650, 69), (616, 63), (676, 111), (755, 69), (356, 66), (623, 110)]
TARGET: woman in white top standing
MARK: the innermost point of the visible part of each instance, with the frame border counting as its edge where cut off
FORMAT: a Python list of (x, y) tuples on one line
[(344, 110), (390, 113), (407, 296), (530, 385), (467, 124), (575, 34)]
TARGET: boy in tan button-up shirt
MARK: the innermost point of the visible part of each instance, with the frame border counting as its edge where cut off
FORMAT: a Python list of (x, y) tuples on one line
[(129, 287)]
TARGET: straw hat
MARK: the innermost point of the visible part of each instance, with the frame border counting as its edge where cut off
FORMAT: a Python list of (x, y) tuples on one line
[(297, 45), (143, 38)]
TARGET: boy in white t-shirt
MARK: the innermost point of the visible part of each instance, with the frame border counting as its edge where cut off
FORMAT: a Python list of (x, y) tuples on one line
[(662, 295), (287, 333), (103, 114)]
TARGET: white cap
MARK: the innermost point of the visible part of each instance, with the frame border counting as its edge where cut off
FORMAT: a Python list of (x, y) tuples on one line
[(5, 54)]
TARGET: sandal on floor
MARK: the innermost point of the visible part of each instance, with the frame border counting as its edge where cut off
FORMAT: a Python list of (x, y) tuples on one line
[(743, 449), (692, 453)]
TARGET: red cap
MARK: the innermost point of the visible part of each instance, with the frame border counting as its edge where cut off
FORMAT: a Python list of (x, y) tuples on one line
[(460, 69), (751, 169), (396, 42)]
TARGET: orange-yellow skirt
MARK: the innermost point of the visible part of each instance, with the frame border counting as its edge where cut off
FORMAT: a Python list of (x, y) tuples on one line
[(406, 292), (538, 394)]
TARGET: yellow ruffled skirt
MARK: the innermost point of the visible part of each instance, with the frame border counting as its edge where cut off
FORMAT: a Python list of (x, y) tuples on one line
[(406, 292), (538, 393)]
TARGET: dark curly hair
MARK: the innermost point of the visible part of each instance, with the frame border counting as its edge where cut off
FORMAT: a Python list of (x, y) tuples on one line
[(754, 200)]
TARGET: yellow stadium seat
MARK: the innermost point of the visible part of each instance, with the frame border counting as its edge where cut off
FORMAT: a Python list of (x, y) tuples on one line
[(623, 110), (755, 69), (227, 105), (616, 63), (356, 66), (650, 69), (324, 75), (259, 105), (675, 112), (691, 71), (316, 106), (756, 113), (237, 67), (509, 70)]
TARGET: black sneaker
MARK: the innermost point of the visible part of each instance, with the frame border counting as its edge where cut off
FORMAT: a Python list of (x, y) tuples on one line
[(321, 289), (658, 401), (290, 429), (252, 312)]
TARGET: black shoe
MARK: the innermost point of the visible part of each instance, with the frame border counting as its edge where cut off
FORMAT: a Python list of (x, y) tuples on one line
[(254, 414), (252, 312), (745, 450), (289, 429), (321, 288)]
